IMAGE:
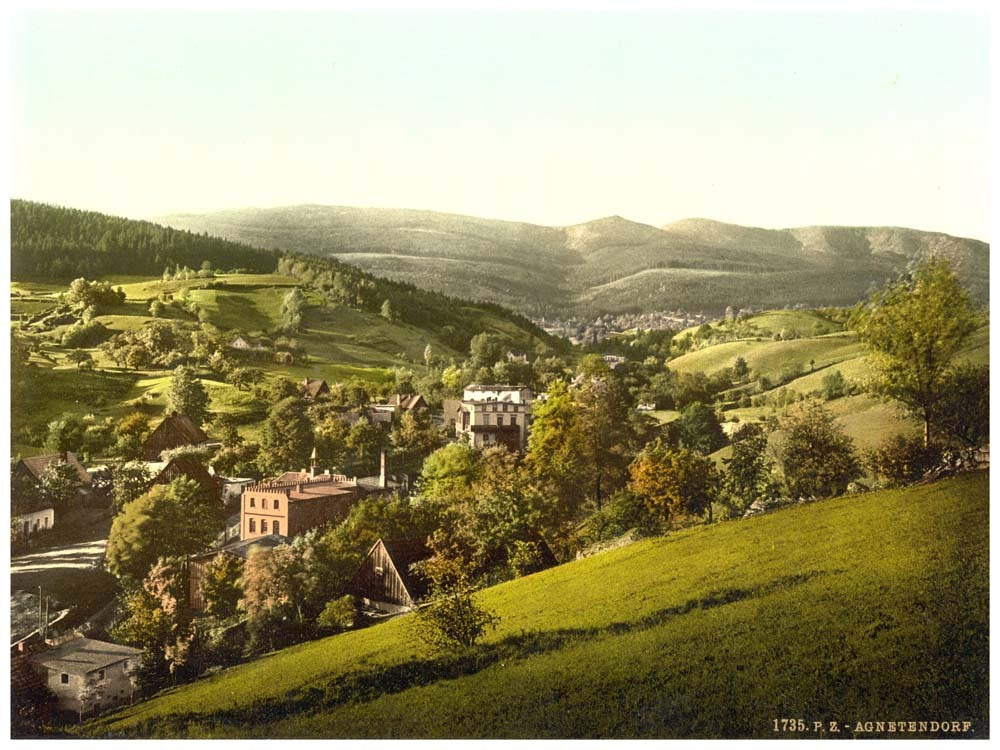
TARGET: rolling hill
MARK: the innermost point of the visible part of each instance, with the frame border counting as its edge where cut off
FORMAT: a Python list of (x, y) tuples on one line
[(608, 265), (863, 608)]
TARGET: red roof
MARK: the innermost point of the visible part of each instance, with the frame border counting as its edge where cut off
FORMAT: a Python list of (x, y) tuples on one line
[(37, 465)]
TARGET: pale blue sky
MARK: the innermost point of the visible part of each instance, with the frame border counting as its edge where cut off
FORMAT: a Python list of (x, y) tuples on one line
[(766, 119)]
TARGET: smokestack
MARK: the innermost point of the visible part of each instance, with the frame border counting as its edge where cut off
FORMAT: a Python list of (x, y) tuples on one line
[(381, 469)]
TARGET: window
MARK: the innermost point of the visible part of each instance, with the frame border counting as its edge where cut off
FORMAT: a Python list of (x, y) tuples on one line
[(513, 420), (252, 503), (500, 419), (125, 665), (263, 526), (275, 504), (275, 528), (64, 678), (100, 674), (263, 503), (253, 526)]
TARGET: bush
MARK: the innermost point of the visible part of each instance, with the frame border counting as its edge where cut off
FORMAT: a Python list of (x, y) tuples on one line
[(84, 335), (817, 458), (454, 620), (338, 614), (834, 385), (903, 460)]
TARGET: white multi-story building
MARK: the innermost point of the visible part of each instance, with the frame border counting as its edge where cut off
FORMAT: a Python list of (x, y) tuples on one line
[(495, 415)]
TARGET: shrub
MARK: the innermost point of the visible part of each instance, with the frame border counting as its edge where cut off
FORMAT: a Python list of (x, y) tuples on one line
[(338, 614), (817, 457), (903, 460), (834, 385), (454, 620)]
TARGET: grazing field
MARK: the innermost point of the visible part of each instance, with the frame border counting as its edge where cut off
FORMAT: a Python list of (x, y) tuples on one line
[(849, 610), (771, 358)]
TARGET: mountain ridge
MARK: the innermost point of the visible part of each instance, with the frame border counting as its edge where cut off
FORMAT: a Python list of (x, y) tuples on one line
[(577, 269)]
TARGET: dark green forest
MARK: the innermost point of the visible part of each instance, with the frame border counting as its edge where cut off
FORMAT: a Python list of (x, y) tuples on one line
[(52, 242)]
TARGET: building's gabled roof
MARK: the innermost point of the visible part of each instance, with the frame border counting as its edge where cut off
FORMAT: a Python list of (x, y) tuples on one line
[(313, 387), (190, 468), (242, 548), (37, 465), (182, 427), (404, 553), (407, 402), (81, 656)]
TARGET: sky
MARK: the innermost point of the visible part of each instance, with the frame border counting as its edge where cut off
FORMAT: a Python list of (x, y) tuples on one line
[(764, 119)]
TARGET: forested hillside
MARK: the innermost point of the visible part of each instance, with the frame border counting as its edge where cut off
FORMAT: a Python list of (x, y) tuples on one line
[(609, 265), (61, 243)]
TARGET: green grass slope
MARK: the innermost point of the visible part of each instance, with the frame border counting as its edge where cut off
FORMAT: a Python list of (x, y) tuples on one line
[(771, 358), (864, 608)]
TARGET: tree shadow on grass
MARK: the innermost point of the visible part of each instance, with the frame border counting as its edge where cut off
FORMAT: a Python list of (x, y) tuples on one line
[(395, 678)]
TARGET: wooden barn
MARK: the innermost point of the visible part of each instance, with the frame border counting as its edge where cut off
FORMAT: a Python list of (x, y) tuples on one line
[(173, 432), (386, 580), (185, 466)]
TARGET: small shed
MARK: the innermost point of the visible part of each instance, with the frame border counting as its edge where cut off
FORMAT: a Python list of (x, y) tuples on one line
[(387, 580)]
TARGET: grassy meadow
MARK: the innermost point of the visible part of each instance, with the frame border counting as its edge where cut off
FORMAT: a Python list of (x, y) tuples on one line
[(871, 607)]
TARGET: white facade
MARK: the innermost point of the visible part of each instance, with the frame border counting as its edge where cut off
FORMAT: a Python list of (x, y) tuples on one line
[(496, 415), (28, 523)]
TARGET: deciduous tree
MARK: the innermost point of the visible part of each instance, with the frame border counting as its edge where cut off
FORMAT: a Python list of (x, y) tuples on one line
[(817, 457), (187, 395), (915, 327)]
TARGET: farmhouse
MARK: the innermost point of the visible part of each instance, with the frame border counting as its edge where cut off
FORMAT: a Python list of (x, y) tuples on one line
[(240, 550), (175, 431), (31, 469), (296, 502), (387, 581), (495, 415), (88, 675), (313, 388), (30, 512), (246, 344)]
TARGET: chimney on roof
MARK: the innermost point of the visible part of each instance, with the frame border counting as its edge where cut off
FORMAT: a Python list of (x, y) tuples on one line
[(381, 469)]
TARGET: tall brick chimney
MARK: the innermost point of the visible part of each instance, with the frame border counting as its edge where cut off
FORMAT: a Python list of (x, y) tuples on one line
[(381, 469)]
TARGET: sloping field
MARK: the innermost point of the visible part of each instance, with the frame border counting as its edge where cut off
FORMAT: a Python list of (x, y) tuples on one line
[(771, 358), (864, 608)]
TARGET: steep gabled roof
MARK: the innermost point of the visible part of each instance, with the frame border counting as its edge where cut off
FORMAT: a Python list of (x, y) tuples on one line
[(183, 428), (190, 468), (404, 553), (313, 387), (36, 465)]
